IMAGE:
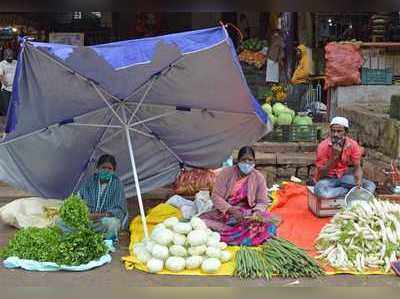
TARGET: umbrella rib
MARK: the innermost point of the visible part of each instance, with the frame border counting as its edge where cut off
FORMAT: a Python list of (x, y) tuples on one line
[(142, 133), (152, 118), (95, 125), (94, 150), (106, 102), (163, 143), (142, 99)]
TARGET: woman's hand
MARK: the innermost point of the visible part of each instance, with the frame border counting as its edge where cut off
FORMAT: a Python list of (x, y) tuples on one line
[(236, 213), (95, 216)]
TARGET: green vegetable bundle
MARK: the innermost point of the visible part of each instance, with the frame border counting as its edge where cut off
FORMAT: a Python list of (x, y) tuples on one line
[(51, 245), (39, 244), (81, 247), (250, 263), (75, 213), (289, 261)]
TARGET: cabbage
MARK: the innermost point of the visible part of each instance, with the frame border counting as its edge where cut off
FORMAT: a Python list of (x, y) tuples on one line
[(267, 108), (278, 108), (302, 121), (284, 119), (290, 111), (272, 118)]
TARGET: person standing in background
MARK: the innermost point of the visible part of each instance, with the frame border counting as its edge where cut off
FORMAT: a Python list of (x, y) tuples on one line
[(275, 57), (7, 72), (244, 26)]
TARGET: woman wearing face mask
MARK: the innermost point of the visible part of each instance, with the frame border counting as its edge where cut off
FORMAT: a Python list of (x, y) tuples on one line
[(240, 203), (104, 195)]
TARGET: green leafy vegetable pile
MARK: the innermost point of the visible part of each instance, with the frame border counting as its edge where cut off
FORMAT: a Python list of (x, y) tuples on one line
[(80, 246), (75, 213)]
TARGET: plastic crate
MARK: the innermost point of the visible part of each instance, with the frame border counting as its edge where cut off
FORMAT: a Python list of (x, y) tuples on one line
[(376, 76), (293, 133)]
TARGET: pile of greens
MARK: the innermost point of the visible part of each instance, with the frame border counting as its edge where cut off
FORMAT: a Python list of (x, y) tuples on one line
[(78, 247), (75, 213)]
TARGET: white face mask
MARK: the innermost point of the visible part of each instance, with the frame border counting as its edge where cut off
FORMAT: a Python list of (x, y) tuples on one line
[(246, 167)]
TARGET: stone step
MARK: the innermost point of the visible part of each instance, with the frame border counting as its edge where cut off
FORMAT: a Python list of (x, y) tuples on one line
[(293, 159), (287, 147)]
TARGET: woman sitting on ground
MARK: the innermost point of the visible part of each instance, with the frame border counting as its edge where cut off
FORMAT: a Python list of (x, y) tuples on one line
[(240, 203), (104, 194)]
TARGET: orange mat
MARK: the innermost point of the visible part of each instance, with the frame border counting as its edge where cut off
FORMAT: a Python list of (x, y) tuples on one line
[(298, 225)]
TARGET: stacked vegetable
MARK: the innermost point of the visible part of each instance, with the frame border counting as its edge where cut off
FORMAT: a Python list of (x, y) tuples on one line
[(80, 246), (366, 236), (278, 94), (277, 256), (177, 246), (254, 44), (253, 58), (281, 115)]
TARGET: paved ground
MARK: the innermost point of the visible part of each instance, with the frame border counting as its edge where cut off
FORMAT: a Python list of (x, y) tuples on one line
[(114, 275)]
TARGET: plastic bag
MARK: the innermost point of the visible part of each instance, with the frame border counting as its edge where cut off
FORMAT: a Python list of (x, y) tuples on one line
[(192, 181), (30, 212), (343, 62), (188, 211), (178, 201), (203, 202)]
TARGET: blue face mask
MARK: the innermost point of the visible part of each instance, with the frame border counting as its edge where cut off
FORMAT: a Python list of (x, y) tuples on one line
[(245, 167), (105, 175)]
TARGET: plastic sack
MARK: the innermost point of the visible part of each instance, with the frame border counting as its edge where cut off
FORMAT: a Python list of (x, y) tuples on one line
[(189, 182), (203, 202), (15, 262), (188, 211), (30, 212), (343, 62), (178, 201)]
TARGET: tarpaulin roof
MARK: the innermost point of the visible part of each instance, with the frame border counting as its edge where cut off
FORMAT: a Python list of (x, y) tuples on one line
[(182, 98)]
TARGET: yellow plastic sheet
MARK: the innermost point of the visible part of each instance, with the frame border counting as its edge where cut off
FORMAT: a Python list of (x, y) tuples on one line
[(163, 211), (157, 215)]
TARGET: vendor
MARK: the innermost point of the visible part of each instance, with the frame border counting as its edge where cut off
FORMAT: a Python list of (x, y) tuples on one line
[(335, 155), (104, 195), (240, 203)]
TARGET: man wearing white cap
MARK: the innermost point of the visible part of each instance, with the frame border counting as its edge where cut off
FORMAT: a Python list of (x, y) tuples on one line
[(334, 157)]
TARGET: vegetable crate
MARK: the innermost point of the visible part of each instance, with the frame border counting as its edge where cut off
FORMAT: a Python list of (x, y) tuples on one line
[(293, 133), (324, 207), (376, 76)]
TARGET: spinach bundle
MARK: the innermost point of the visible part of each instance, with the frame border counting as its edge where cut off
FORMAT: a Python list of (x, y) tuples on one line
[(80, 246), (75, 213), (39, 244)]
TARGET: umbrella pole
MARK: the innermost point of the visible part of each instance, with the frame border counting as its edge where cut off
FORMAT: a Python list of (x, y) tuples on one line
[(136, 178)]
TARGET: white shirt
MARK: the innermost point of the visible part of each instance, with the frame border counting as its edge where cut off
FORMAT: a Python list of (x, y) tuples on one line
[(8, 71)]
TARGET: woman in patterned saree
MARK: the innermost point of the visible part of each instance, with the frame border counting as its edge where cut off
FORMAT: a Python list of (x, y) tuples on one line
[(240, 204)]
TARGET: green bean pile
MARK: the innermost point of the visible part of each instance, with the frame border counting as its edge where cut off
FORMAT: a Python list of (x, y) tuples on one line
[(251, 264), (277, 256), (289, 261)]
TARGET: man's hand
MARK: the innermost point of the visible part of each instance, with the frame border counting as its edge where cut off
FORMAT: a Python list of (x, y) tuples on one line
[(236, 213), (336, 151), (358, 177)]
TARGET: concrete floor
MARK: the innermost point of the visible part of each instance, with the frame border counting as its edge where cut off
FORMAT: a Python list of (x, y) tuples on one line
[(114, 274)]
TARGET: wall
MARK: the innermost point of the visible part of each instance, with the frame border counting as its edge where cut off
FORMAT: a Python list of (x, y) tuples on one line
[(348, 95)]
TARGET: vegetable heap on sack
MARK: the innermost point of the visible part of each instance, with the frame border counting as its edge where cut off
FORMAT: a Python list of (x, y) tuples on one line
[(78, 247), (276, 256), (364, 237), (176, 246)]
